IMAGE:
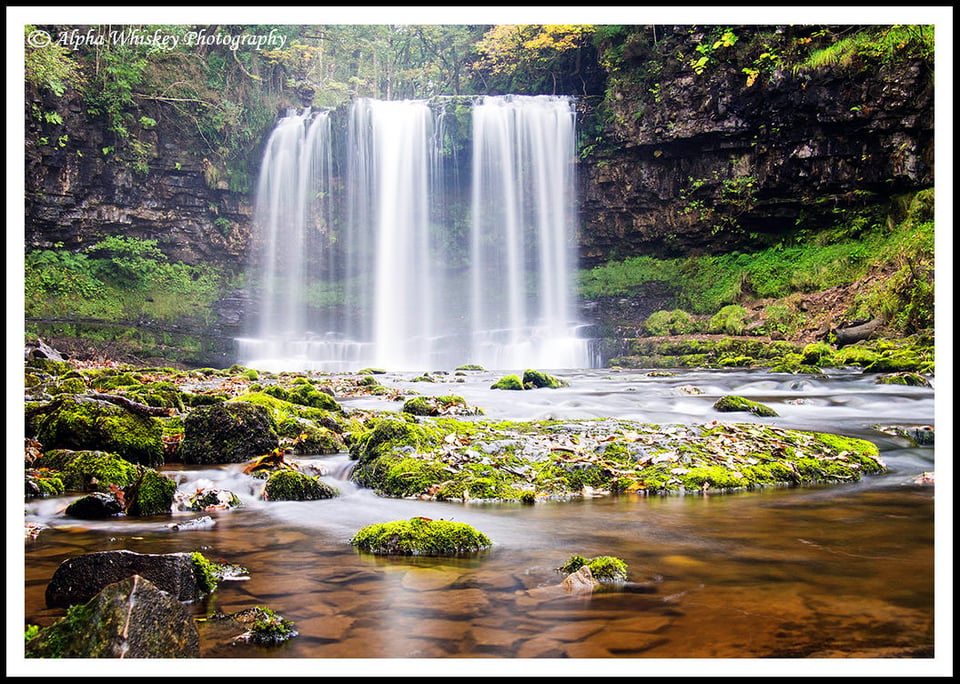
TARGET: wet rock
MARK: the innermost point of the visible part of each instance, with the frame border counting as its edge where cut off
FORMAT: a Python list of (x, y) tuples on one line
[(287, 485), (81, 423), (263, 627), (131, 618), (229, 432), (580, 582), (733, 404), (97, 506), (78, 579)]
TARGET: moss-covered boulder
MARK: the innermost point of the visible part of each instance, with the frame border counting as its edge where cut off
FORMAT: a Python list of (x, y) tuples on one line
[(213, 500), (508, 382), (734, 404), (439, 406), (229, 432), (42, 482), (130, 618), (304, 394), (311, 439), (160, 393), (905, 378), (289, 485), (420, 537), (602, 568), (81, 423), (151, 494), (533, 379), (89, 471)]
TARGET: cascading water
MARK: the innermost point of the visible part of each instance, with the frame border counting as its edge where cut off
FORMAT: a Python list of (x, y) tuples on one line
[(417, 288), (523, 190)]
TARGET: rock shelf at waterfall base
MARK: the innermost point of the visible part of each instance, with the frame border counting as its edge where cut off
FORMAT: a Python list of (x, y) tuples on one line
[(443, 457)]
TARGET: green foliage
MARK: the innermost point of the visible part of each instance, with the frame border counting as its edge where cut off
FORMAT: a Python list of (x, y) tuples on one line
[(50, 66), (730, 320), (871, 45), (705, 284), (115, 279), (663, 323)]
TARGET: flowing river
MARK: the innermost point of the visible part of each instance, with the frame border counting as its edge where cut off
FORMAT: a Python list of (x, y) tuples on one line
[(833, 572)]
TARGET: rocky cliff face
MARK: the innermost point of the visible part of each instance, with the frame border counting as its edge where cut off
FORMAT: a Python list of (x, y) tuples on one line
[(716, 161), (82, 185)]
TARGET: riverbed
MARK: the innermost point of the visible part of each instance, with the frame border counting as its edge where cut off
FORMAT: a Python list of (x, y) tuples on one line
[(840, 572)]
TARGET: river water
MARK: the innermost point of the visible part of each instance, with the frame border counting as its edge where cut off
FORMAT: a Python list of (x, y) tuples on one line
[(841, 572)]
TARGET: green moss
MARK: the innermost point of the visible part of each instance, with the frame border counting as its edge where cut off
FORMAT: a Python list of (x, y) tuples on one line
[(436, 406), (730, 320), (69, 386), (214, 499), (152, 494), (508, 382), (304, 394), (818, 354), (164, 394), (114, 381), (84, 424), (288, 485), (469, 367), (603, 568), (389, 433), (95, 471), (420, 537), (663, 323), (50, 366), (205, 573), (41, 483), (535, 378), (733, 403), (906, 378), (317, 440), (269, 628)]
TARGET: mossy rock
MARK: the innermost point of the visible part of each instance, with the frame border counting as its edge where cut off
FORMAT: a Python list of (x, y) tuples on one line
[(317, 440), (40, 483), (603, 568), (389, 433), (68, 386), (88, 424), (420, 537), (470, 367), (230, 432), (89, 471), (818, 354), (288, 485), (287, 415), (508, 382), (264, 626), (163, 394), (214, 499), (152, 494), (732, 404), (112, 381), (50, 366), (537, 379), (304, 394), (906, 378), (437, 406)]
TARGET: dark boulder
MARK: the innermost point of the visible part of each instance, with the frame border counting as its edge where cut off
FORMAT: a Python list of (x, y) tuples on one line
[(96, 506), (229, 432), (79, 579)]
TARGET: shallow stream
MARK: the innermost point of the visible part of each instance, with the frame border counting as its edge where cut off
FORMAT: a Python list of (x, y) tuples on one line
[(840, 571)]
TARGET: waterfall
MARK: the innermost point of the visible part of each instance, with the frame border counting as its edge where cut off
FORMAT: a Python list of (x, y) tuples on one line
[(522, 232), (371, 266)]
